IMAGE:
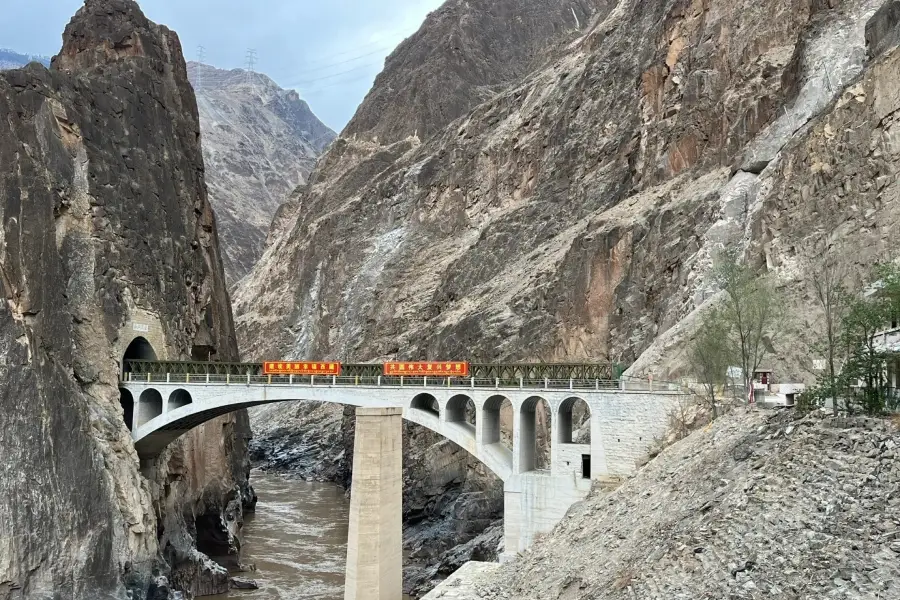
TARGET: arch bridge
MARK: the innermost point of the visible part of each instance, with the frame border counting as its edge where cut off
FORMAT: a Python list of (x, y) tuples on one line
[(493, 414)]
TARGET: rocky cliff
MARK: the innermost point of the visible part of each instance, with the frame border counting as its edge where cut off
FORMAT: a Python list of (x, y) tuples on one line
[(260, 142), (107, 234), (573, 214)]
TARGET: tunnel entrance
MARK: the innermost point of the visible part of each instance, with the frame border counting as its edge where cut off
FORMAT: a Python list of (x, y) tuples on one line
[(138, 349)]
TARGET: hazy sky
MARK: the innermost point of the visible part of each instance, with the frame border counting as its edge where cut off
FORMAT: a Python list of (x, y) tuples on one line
[(328, 50)]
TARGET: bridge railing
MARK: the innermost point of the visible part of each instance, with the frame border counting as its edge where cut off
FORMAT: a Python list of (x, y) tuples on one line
[(411, 382)]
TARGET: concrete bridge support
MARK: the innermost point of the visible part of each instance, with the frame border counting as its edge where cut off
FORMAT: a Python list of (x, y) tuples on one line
[(374, 544)]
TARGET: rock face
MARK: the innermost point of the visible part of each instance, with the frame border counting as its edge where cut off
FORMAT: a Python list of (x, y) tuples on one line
[(107, 232), (558, 220), (259, 143), (573, 215), (760, 505), (464, 53)]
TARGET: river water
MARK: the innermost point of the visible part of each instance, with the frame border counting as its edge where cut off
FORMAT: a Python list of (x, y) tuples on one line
[(297, 538)]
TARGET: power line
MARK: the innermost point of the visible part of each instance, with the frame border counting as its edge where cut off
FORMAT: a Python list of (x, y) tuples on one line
[(343, 62), (333, 75), (385, 36), (334, 84)]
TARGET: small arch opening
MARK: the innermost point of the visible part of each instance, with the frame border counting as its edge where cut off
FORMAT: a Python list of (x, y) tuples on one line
[(535, 445), (138, 349), (427, 403), (178, 399), (127, 402), (497, 415), (461, 409), (574, 422), (150, 406)]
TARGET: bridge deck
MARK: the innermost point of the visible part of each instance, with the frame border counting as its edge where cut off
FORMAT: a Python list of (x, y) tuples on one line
[(503, 371)]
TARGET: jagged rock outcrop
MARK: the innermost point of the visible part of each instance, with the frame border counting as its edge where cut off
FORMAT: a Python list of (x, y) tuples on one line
[(107, 231), (259, 143), (574, 215)]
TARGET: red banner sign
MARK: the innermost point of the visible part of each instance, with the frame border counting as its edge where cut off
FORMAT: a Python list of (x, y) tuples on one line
[(301, 368), (427, 369)]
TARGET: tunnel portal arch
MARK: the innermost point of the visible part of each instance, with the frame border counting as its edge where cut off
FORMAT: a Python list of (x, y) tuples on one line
[(138, 349)]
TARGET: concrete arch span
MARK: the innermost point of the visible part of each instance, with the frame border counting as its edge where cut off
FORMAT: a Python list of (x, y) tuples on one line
[(172, 411)]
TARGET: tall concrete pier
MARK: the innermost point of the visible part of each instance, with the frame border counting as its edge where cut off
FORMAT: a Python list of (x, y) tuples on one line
[(374, 543)]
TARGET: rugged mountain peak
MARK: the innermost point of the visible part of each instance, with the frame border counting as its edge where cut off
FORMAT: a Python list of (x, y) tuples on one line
[(259, 143), (104, 31), (465, 51)]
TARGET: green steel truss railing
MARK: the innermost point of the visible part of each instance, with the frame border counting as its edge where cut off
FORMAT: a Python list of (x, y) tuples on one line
[(511, 372), (496, 376), (503, 372)]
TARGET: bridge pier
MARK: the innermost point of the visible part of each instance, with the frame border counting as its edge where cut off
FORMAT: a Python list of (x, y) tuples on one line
[(374, 544)]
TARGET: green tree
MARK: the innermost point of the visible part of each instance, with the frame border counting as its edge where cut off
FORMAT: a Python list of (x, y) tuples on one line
[(709, 354), (752, 309), (863, 375), (832, 296)]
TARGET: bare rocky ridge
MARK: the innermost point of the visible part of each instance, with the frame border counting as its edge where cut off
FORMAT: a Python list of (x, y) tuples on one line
[(758, 505), (106, 220), (563, 221), (573, 215), (259, 143), (464, 53)]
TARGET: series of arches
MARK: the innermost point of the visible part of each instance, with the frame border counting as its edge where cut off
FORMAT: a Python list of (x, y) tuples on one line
[(499, 422), (150, 405)]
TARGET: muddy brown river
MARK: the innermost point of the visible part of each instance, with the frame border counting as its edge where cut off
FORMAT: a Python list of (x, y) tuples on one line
[(297, 539)]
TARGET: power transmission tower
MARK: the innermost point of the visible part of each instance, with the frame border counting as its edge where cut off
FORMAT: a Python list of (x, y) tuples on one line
[(251, 62), (201, 52)]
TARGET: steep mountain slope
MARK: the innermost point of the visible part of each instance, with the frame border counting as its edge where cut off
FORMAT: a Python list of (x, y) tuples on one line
[(573, 216), (259, 143), (760, 505), (464, 53), (106, 226)]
